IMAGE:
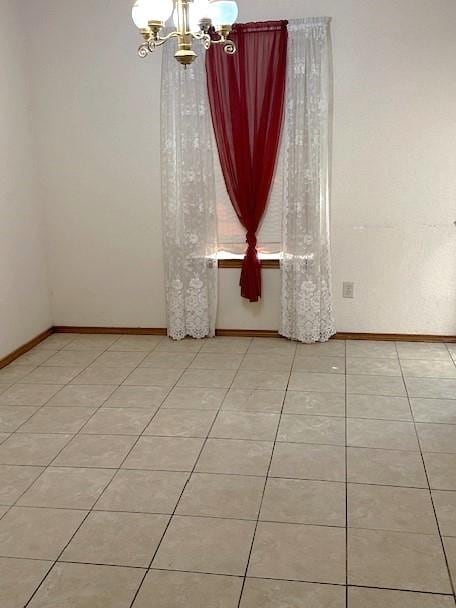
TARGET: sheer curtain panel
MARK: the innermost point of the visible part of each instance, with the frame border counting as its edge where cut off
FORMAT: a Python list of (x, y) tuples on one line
[(306, 304), (188, 198)]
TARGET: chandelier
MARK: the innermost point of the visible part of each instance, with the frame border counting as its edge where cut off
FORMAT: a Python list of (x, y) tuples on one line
[(193, 20)]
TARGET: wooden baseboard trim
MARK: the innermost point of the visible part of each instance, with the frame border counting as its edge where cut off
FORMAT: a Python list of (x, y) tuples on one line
[(128, 331), (25, 347), (253, 333), (394, 337)]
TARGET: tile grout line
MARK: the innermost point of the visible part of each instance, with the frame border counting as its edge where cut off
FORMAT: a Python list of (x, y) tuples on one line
[(88, 511), (448, 570), (185, 485), (347, 598), (266, 482)]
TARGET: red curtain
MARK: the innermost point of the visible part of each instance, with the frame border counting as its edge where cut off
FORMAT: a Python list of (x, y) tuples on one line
[(246, 94)]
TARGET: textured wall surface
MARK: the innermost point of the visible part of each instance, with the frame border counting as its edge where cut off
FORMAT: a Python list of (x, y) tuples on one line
[(96, 121)]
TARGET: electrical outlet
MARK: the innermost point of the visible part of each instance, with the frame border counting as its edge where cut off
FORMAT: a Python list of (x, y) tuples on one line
[(348, 290)]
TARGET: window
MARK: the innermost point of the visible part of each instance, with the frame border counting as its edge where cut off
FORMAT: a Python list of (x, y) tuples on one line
[(231, 234)]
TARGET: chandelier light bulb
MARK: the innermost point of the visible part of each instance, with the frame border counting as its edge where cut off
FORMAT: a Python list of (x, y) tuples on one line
[(223, 12), (139, 15), (151, 10)]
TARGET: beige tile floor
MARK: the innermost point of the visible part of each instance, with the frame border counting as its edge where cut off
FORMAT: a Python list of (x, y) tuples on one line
[(136, 472)]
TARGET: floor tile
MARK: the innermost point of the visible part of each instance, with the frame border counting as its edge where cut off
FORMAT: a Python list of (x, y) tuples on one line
[(168, 360), (57, 341), (385, 508), (188, 590), (216, 361), (57, 420), (91, 342), (386, 467), (307, 553), (382, 598), (164, 454), (437, 437), (373, 367), (102, 375), (378, 407), (51, 375), (325, 365), (445, 508), (180, 346), (20, 578), (238, 425), (417, 368), (123, 360), (195, 398), (3, 510), (272, 346), (434, 410), (32, 449), (71, 358), (300, 461), (118, 539), (296, 501), (373, 349), (397, 560), (291, 594), (441, 469), (206, 378), (236, 457), (67, 488), (12, 417), (321, 404), (146, 376), (13, 374), (320, 383), (312, 429), (433, 388), (14, 480), (383, 434), (226, 345), (143, 492), (24, 532), (87, 586), (35, 357), (254, 400), (421, 350), (450, 549), (136, 343), (100, 451), (198, 544), (375, 385), (261, 380), (118, 421), (268, 362), (225, 496), (81, 396), (4, 387), (150, 397), (181, 423), (333, 348), (28, 394)]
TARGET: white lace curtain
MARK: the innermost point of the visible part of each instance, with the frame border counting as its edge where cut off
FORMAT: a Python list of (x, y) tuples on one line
[(306, 303), (188, 196)]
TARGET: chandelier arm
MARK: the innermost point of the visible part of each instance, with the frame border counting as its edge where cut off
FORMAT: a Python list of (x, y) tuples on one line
[(149, 47)]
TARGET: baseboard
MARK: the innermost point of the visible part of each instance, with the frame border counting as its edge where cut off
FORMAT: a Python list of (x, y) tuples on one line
[(128, 331), (232, 333), (25, 347), (254, 333)]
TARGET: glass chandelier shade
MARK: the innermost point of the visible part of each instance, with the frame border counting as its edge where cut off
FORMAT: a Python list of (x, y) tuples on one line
[(145, 11)]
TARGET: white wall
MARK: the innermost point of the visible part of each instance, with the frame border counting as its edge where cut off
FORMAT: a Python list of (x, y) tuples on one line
[(24, 297), (394, 180)]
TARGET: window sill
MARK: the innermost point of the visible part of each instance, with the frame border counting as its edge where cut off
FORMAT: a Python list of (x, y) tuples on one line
[(237, 263)]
